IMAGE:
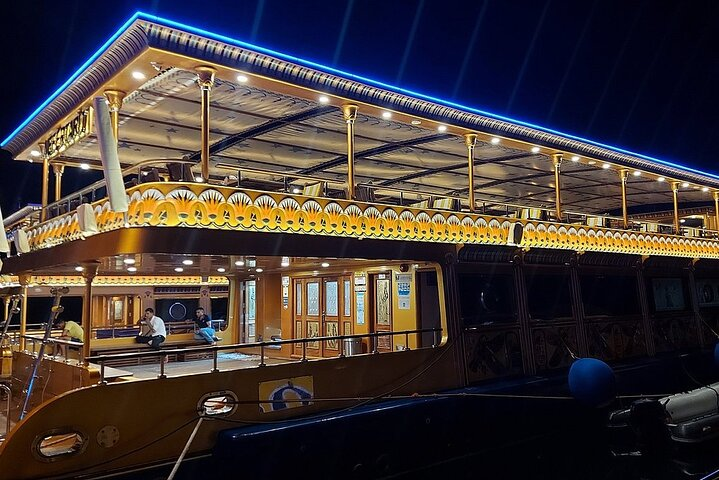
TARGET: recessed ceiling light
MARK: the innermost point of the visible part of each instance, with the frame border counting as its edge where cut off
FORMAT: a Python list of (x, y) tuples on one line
[(187, 262), (685, 184), (591, 162), (85, 166), (705, 189), (242, 78), (494, 141), (35, 153), (132, 269), (79, 269), (296, 190), (575, 158), (636, 173), (682, 220), (199, 179), (535, 149), (29, 160), (179, 269), (386, 115), (661, 179), (138, 75), (442, 128), (240, 263), (325, 264), (259, 270), (416, 122), (129, 261), (221, 270), (324, 99)]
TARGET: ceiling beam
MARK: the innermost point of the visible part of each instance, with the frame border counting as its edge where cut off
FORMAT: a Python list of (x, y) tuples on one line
[(262, 129)]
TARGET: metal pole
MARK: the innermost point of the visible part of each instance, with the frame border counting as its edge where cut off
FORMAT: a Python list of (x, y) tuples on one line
[(557, 162), (470, 140), (205, 79), (350, 115), (675, 197), (623, 176)]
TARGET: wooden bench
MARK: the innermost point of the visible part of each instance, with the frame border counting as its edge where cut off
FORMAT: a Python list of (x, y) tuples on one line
[(139, 347)]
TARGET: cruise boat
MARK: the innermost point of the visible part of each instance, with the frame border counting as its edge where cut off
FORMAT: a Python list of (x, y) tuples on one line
[(394, 279)]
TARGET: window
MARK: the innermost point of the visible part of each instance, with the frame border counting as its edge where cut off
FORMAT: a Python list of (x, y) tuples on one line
[(708, 292), (486, 298), (548, 294), (609, 294), (668, 294)]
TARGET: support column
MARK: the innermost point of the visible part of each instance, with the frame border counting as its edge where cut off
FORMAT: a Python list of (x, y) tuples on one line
[(24, 281), (624, 175), (6, 306), (716, 210), (58, 171), (675, 198), (205, 79), (114, 99), (45, 182), (557, 162), (89, 273), (470, 140), (350, 115)]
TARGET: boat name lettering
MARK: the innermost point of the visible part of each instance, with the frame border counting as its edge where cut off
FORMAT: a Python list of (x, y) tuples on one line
[(73, 131)]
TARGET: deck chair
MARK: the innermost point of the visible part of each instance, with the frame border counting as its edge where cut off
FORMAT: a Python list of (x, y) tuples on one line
[(364, 194), (595, 221), (531, 214), (152, 175), (180, 172), (314, 189), (446, 203), (420, 204)]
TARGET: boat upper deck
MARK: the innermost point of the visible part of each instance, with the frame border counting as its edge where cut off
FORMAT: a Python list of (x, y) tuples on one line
[(233, 127)]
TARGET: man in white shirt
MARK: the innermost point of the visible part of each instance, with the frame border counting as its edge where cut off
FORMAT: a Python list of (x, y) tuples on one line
[(156, 333)]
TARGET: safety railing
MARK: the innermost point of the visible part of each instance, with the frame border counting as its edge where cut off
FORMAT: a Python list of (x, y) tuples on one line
[(214, 350), (296, 183), (35, 341)]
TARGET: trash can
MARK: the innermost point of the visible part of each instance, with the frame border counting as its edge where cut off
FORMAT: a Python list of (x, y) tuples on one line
[(352, 346)]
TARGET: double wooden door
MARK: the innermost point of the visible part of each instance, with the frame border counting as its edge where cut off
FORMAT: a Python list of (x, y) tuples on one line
[(322, 308)]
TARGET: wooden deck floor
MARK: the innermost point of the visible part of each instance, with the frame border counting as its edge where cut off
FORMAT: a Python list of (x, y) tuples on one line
[(225, 361)]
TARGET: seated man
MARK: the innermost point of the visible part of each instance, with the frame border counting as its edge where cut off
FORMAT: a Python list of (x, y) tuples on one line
[(70, 331), (156, 330), (204, 327)]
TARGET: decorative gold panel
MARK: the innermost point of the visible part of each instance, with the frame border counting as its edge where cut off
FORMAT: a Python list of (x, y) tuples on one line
[(208, 206)]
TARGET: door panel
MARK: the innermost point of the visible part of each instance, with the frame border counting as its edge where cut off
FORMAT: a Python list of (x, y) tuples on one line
[(382, 310)]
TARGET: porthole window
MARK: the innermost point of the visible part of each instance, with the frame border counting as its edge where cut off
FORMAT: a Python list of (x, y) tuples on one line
[(60, 444), (218, 403)]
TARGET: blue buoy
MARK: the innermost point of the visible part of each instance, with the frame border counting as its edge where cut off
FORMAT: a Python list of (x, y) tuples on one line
[(592, 382)]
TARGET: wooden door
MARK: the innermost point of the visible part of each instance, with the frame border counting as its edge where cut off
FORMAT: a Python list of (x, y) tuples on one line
[(330, 315), (308, 314), (382, 310)]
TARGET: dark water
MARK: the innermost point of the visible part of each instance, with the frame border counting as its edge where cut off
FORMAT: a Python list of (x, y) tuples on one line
[(574, 455)]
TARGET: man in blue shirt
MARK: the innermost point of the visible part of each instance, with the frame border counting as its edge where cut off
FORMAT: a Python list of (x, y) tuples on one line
[(204, 327)]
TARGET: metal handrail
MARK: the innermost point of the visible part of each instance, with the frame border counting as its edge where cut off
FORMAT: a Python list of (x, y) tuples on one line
[(101, 359), (78, 195)]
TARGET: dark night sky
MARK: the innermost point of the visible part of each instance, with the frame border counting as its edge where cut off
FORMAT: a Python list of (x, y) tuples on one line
[(642, 75)]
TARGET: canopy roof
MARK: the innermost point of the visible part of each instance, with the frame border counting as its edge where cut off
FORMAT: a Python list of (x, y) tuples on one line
[(267, 114)]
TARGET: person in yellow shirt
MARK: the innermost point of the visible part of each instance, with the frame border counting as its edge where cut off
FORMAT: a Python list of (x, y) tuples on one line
[(71, 331)]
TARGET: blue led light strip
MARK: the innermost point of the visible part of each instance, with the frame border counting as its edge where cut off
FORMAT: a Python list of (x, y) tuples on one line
[(326, 69)]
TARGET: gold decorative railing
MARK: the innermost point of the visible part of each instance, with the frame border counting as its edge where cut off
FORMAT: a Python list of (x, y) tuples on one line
[(167, 204)]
